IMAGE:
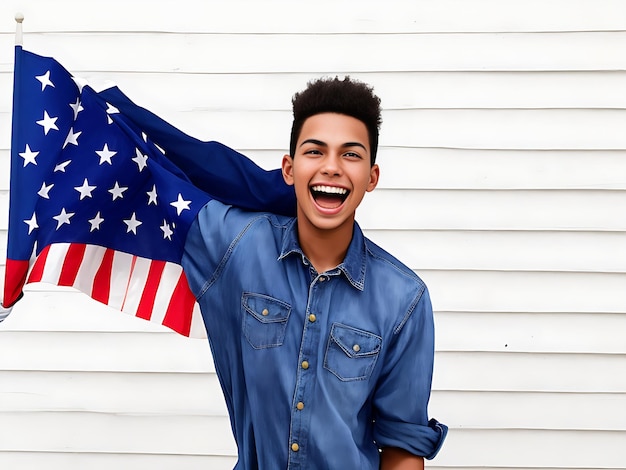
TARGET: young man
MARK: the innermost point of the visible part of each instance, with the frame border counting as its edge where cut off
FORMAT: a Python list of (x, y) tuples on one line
[(322, 341)]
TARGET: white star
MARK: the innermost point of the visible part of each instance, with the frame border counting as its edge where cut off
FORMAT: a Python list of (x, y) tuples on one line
[(159, 148), (144, 136), (109, 120), (45, 80), (48, 123), (85, 190), (72, 138), (132, 224), (43, 192), (180, 204), (95, 222), (29, 156), (77, 107), (152, 195), (117, 191), (63, 218), (140, 160), (61, 166), (112, 109), (32, 223), (167, 231), (106, 154)]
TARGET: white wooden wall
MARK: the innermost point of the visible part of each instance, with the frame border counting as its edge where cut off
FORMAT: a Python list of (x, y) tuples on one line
[(503, 184)]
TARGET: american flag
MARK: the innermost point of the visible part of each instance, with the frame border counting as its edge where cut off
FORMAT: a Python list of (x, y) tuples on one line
[(103, 193)]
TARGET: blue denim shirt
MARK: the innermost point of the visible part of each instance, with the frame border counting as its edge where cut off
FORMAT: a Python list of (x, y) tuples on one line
[(319, 370)]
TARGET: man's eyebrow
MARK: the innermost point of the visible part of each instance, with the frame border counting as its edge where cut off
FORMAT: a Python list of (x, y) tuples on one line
[(324, 144)]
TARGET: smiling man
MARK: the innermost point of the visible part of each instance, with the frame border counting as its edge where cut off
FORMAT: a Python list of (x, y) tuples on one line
[(322, 341)]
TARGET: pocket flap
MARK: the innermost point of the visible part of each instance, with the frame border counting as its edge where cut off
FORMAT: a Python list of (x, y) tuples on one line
[(355, 342), (266, 309)]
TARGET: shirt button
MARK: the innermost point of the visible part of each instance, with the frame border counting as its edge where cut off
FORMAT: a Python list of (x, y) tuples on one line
[(305, 365), (356, 348), (295, 447), (300, 405), (312, 318), (265, 312), (322, 278)]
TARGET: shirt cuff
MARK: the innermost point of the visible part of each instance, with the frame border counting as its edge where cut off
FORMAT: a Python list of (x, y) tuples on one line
[(421, 440)]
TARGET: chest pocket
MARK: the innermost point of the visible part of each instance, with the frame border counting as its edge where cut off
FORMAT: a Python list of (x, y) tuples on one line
[(351, 353), (264, 320)]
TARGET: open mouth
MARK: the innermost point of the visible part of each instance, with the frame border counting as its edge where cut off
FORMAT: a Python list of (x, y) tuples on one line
[(329, 197)]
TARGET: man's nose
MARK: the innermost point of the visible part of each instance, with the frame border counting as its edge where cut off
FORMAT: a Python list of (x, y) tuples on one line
[(332, 165)]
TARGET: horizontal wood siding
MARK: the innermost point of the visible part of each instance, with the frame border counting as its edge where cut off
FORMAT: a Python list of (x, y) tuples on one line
[(503, 184)]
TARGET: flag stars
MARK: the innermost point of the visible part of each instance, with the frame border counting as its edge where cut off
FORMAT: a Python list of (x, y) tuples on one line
[(32, 223), (29, 156), (112, 109), (61, 166), (48, 123), (140, 159), (95, 222), (180, 204), (117, 191), (167, 231), (132, 224), (72, 138), (77, 108), (45, 189), (45, 80), (105, 154), (152, 195), (85, 190), (63, 218)]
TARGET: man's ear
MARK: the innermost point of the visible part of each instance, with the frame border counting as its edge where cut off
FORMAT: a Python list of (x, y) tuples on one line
[(374, 175), (287, 167)]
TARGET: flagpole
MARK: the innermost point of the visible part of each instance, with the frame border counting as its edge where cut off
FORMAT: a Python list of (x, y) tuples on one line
[(19, 17)]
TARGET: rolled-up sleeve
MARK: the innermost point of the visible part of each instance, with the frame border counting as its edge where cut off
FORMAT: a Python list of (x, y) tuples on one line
[(401, 397)]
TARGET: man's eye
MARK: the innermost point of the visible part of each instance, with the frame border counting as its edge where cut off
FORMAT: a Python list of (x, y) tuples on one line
[(312, 152), (352, 155)]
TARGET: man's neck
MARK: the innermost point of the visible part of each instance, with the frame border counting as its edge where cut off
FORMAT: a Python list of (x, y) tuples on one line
[(325, 249)]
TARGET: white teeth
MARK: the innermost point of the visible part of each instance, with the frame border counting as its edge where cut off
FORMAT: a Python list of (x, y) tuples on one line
[(330, 190)]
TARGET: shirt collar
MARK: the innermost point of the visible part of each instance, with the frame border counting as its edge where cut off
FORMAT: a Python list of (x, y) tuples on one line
[(353, 265)]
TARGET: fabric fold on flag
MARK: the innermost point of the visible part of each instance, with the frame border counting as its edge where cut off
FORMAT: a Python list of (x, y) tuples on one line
[(103, 193)]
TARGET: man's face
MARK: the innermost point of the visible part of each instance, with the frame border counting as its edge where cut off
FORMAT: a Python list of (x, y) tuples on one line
[(330, 171)]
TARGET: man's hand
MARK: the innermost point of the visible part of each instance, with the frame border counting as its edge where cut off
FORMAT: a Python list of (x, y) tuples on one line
[(392, 458)]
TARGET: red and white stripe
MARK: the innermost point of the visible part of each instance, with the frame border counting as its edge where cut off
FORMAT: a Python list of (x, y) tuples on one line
[(153, 290)]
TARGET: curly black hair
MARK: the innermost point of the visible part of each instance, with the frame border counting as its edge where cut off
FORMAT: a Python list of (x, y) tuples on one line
[(332, 95)]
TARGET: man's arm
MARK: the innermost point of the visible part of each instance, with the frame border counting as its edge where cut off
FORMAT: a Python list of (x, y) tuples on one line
[(393, 458)]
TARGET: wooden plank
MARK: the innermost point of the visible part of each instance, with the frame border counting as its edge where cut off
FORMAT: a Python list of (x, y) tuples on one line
[(192, 435), (531, 332), (517, 410), (107, 461), (505, 250), (167, 394), (532, 449), (529, 372), (327, 53), (282, 16), (200, 395), (509, 371), (493, 210), (546, 292), (104, 352), (406, 90)]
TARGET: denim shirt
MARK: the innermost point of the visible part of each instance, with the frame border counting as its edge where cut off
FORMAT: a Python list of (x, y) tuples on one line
[(319, 370)]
